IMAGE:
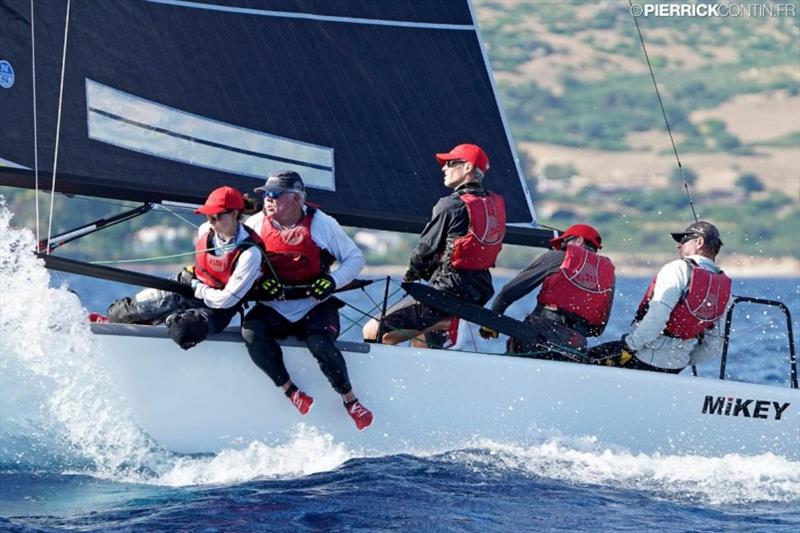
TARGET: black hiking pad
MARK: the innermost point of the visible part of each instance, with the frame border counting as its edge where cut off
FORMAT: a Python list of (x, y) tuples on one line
[(548, 333)]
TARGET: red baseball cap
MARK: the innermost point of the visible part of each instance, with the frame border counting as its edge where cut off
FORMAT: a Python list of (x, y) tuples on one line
[(579, 230), (471, 153), (220, 200)]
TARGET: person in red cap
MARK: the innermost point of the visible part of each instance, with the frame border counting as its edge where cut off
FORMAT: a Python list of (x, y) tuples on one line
[(455, 250), (677, 323), (577, 293), (228, 262)]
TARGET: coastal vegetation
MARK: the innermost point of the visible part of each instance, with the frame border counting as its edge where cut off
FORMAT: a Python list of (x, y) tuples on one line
[(593, 144)]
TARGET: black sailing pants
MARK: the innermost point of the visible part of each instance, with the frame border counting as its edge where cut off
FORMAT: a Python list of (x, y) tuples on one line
[(319, 329)]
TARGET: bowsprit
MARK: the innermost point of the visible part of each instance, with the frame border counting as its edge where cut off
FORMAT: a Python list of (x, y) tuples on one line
[(748, 408)]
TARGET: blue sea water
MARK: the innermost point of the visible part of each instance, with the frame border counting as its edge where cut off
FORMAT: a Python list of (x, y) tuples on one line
[(70, 460)]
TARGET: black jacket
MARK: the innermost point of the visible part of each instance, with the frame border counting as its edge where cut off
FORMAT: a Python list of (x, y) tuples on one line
[(430, 259), (526, 281)]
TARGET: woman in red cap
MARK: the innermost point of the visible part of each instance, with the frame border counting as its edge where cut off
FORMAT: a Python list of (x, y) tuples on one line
[(577, 293), (228, 260)]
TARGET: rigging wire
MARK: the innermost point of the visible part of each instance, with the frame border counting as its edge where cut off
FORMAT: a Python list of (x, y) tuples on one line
[(368, 314), (173, 213), (58, 125), (147, 259), (664, 114), (35, 133)]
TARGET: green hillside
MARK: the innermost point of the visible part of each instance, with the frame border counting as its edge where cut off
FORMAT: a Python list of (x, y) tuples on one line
[(573, 75)]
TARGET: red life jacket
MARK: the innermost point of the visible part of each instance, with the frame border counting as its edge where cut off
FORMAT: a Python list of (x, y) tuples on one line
[(703, 304), (213, 270), (292, 252), (478, 249), (583, 286)]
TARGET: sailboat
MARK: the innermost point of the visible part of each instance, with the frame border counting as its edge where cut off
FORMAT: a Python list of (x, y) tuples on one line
[(160, 101)]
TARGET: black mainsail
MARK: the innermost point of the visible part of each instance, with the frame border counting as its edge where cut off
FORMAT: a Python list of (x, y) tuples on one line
[(163, 100)]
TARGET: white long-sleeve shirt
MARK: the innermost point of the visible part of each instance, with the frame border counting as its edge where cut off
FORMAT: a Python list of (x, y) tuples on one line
[(328, 235), (656, 349), (245, 273)]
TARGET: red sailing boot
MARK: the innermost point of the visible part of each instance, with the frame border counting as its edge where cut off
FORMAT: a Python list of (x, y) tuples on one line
[(98, 318), (302, 401), (360, 414)]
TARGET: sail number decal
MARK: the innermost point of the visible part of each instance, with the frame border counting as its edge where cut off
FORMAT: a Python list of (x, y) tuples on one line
[(6, 74), (746, 408)]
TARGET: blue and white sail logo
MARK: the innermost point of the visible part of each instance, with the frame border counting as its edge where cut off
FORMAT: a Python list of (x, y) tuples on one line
[(6, 74)]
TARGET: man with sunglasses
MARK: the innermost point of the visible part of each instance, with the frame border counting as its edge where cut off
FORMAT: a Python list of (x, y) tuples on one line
[(455, 250), (677, 323), (577, 291), (301, 242), (228, 261)]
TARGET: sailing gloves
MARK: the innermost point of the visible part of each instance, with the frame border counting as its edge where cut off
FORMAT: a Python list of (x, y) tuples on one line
[(626, 353), (186, 275), (322, 287), (488, 333), (272, 289)]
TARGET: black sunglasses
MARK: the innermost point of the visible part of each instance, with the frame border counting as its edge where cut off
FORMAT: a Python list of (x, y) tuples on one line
[(454, 163), (218, 216), (689, 237)]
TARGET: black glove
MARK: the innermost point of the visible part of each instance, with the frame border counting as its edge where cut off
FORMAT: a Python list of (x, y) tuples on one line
[(322, 287), (627, 353), (186, 275), (271, 289), (488, 333), (410, 275)]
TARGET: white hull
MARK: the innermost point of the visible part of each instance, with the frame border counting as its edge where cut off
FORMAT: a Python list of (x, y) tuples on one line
[(213, 397)]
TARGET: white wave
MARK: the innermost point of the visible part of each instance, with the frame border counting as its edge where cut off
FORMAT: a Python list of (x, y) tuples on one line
[(53, 386), (57, 406), (308, 452), (732, 479)]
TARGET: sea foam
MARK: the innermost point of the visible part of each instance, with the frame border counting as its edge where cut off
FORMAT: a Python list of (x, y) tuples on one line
[(58, 411), (731, 479)]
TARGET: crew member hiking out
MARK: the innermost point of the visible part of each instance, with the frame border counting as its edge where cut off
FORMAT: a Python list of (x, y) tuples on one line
[(301, 242), (455, 250), (574, 301), (677, 323), (228, 260)]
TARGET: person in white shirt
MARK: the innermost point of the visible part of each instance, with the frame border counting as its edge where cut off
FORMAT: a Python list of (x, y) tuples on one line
[(228, 262), (301, 242), (678, 322)]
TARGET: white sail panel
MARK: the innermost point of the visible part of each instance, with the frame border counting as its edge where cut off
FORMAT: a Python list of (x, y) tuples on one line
[(128, 121)]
